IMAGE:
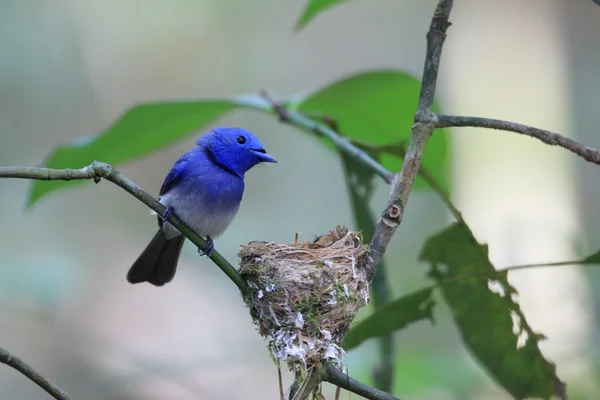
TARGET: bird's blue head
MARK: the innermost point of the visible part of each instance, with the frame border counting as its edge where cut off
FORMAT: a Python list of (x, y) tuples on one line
[(236, 149)]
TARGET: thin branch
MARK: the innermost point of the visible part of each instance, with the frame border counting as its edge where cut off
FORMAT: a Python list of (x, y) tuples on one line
[(28, 371), (341, 380), (553, 139), (305, 123), (477, 274), (421, 132), (544, 265), (98, 170)]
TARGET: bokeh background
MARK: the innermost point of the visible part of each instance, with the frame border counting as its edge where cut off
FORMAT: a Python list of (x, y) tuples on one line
[(69, 68)]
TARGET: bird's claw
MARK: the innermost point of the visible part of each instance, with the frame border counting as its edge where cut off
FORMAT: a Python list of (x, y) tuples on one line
[(167, 213), (208, 248)]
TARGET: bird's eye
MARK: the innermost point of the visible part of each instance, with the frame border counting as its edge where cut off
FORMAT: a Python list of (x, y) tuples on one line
[(241, 139)]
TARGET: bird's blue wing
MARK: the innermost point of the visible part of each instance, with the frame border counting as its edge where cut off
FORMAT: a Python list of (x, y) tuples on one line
[(175, 175)]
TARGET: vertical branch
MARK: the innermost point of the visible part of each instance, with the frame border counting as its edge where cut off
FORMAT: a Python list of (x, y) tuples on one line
[(421, 132)]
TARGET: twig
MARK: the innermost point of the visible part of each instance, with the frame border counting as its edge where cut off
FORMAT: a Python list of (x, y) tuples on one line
[(303, 122), (341, 380), (553, 139), (98, 170), (542, 265), (25, 369), (486, 274), (421, 132)]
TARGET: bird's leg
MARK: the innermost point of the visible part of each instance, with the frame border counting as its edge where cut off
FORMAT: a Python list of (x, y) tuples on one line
[(167, 213), (208, 248)]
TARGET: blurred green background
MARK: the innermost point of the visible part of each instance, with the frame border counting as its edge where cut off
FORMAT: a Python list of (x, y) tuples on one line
[(69, 68)]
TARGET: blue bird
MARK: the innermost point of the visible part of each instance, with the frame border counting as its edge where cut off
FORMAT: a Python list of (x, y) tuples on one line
[(204, 189)]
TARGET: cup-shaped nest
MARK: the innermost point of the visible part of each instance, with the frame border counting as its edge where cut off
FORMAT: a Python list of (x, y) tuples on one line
[(303, 296)]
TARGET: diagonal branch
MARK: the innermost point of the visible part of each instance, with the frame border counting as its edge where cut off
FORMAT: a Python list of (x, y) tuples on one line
[(553, 139), (421, 132), (98, 170), (303, 122), (13, 361), (340, 379)]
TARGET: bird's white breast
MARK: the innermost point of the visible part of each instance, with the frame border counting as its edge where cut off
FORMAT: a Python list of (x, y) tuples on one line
[(204, 221)]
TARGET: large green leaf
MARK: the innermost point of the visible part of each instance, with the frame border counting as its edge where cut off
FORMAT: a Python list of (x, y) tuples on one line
[(143, 129), (491, 323), (392, 317), (378, 108), (314, 7)]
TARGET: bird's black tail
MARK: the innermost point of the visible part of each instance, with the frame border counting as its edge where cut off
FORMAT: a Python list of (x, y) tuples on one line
[(158, 262)]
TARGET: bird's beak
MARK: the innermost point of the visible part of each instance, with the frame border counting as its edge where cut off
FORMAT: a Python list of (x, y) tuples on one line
[(263, 156)]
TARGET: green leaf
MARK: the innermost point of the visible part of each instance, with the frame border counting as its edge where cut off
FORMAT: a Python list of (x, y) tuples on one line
[(378, 108), (591, 259), (394, 316), (143, 129), (490, 321), (597, 2), (314, 7)]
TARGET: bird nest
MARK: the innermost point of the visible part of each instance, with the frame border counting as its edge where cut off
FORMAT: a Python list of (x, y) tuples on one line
[(304, 296)]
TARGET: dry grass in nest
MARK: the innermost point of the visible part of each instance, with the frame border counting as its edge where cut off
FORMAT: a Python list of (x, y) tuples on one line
[(305, 295)]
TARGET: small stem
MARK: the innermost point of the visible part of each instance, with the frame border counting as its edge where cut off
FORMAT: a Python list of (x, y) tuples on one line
[(541, 265)]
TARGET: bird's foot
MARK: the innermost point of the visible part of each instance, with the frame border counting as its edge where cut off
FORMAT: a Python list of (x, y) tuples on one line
[(208, 248), (167, 213)]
